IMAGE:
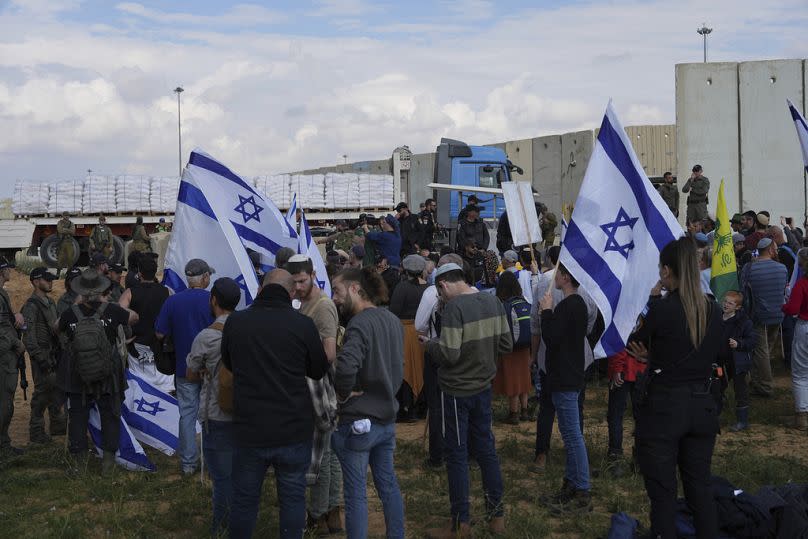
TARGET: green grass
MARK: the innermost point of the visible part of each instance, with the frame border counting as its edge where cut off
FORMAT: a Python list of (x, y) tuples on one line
[(38, 498)]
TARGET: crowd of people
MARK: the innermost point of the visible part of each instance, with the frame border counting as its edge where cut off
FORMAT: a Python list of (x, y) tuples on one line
[(313, 386)]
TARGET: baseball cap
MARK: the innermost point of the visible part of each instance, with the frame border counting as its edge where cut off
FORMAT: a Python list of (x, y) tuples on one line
[(413, 263), (196, 267), (226, 291), (401, 206), (6, 263), (738, 238), (117, 268), (391, 220), (764, 243), (696, 168), (71, 273), (511, 256), (446, 268), (41, 272)]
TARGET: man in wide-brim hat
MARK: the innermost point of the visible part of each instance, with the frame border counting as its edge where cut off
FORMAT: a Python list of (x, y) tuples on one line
[(107, 393)]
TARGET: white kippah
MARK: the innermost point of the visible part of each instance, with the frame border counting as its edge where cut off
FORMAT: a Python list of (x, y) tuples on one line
[(299, 258)]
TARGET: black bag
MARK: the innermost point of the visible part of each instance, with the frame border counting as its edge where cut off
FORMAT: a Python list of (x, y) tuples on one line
[(165, 357)]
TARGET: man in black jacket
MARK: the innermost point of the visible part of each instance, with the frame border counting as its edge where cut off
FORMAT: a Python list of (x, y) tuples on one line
[(472, 228), (412, 232), (270, 349)]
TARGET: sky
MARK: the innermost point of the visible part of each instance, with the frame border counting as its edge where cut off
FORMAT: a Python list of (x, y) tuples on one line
[(280, 86)]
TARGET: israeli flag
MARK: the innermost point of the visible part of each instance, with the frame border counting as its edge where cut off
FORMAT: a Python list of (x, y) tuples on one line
[(219, 216), (130, 454), (802, 131), (309, 248), (290, 213), (615, 234), (153, 416)]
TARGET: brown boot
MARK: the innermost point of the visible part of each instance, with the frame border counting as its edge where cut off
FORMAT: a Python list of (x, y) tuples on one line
[(334, 520), (462, 531), (318, 526), (497, 526), (802, 421)]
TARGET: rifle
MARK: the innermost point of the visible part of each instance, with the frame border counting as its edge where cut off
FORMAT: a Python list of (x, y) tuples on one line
[(23, 379)]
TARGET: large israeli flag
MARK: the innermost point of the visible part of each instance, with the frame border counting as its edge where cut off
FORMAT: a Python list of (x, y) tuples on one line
[(615, 234), (130, 454), (219, 215), (152, 415)]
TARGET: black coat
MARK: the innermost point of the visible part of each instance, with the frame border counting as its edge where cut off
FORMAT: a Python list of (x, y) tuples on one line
[(271, 348)]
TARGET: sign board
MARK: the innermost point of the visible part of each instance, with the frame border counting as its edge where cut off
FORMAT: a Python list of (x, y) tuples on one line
[(521, 210)]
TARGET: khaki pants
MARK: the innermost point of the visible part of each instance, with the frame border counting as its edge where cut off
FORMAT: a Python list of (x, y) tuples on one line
[(769, 346)]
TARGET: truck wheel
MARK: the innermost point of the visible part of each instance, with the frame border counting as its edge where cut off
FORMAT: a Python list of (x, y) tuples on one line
[(49, 251), (118, 250)]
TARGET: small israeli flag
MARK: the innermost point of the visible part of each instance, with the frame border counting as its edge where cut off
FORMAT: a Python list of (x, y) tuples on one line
[(152, 415), (130, 454), (616, 232)]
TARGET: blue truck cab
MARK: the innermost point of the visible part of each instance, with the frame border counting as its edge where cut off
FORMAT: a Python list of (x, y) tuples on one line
[(457, 163)]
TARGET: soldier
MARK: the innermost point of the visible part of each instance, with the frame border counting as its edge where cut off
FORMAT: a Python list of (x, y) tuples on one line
[(548, 225), (698, 186), (43, 346), (162, 226), (65, 230), (114, 273), (669, 193), (141, 242), (11, 349), (101, 238), (70, 297)]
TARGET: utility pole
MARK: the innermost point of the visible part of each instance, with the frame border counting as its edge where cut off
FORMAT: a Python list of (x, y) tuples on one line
[(704, 32), (345, 159), (178, 90)]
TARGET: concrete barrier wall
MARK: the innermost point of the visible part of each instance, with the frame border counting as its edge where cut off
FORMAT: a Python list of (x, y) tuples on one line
[(732, 119)]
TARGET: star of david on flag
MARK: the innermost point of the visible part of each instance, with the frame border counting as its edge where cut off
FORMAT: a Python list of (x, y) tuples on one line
[(152, 415), (617, 229), (219, 216), (151, 408)]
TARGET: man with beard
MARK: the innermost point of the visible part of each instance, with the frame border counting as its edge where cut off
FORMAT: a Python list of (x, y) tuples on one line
[(325, 503), (42, 345), (369, 372)]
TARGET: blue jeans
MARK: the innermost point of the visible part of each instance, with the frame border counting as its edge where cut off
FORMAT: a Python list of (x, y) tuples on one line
[(188, 400), (547, 413), (618, 400), (355, 453), (291, 462), (467, 421), (569, 424), (217, 446)]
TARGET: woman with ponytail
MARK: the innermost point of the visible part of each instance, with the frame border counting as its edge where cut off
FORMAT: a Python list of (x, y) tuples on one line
[(677, 422)]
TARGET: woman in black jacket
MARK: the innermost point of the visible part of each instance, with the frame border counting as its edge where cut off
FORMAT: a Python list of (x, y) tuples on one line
[(677, 422)]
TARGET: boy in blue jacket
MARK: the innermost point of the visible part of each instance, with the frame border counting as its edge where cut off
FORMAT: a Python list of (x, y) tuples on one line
[(740, 340)]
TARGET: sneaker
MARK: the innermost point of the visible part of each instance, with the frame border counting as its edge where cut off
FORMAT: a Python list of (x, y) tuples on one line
[(462, 531), (562, 496), (334, 520), (576, 501), (539, 463), (497, 526)]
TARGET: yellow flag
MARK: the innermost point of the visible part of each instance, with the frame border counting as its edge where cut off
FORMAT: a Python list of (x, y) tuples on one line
[(724, 271)]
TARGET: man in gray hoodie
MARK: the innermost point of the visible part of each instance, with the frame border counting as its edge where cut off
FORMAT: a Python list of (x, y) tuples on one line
[(370, 369)]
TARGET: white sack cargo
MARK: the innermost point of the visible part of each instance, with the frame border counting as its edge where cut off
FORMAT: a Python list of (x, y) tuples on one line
[(163, 194), (133, 193), (65, 196), (98, 195), (30, 198), (376, 191), (277, 188), (342, 190), (310, 190)]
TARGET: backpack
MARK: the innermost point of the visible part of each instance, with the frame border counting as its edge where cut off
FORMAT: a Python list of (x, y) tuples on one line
[(90, 348), (225, 398), (521, 308)]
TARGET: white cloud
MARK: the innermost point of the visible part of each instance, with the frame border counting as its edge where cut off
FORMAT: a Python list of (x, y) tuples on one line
[(77, 96)]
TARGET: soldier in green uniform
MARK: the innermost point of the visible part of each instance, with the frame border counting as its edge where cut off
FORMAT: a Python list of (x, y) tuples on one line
[(698, 186), (669, 193), (114, 273), (43, 348), (65, 230), (548, 225), (141, 242), (101, 238), (162, 226), (343, 238), (68, 299), (11, 348)]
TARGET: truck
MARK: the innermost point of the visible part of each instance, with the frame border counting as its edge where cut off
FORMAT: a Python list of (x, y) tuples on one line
[(459, 171)]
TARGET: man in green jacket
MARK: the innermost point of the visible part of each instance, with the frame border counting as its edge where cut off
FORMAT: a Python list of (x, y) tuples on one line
[(474, 334), (11, 348), (698, 186), (43, 346), (101, 238)]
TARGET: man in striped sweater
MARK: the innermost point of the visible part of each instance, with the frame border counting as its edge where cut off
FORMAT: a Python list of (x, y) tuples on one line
[(474, 333)]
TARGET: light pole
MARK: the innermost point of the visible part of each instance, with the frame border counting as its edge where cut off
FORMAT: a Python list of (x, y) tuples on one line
[(345, 159), (704, 32), (178, 90)]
